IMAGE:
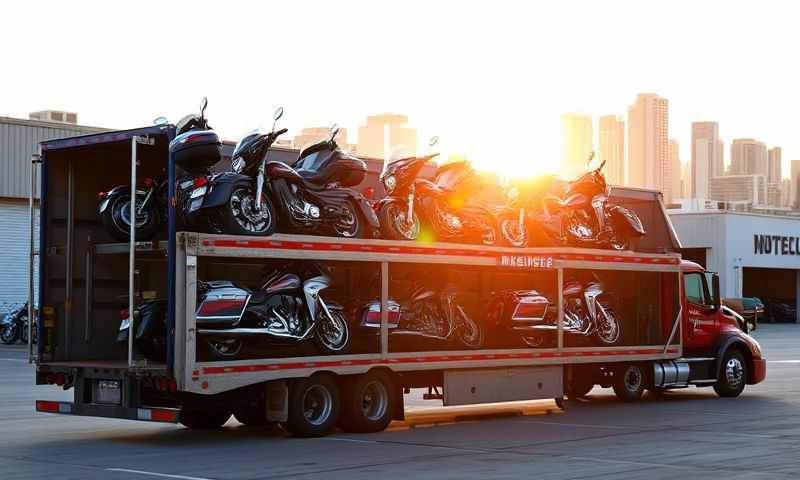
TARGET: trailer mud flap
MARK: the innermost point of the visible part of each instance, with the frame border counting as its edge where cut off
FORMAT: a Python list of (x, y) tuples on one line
[(165, 415)]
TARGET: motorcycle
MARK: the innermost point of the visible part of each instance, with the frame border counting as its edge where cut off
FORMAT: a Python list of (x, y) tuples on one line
[(287, 308), (426, 313), (15, 326), (413, 204), (150, 322), (582, 217), (529, 314), (151, 195)]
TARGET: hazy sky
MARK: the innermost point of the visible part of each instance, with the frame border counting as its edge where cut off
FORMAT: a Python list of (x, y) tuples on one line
[(489, 78)]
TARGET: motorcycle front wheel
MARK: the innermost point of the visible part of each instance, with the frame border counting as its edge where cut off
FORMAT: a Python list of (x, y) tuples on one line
[(608, 328), (619, 242), (395, 224), (9, 333), (224, 348), (470, 333), (333, 332), (240, 217), (117, 219)]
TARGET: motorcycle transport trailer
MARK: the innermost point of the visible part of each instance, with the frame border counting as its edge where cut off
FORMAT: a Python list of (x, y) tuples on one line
[(85, 277)]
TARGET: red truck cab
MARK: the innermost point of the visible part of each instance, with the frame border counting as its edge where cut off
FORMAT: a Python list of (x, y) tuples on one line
[(710, 334)]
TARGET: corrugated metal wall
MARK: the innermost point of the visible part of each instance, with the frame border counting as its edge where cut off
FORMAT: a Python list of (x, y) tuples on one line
[(14, 218), (19, 139)]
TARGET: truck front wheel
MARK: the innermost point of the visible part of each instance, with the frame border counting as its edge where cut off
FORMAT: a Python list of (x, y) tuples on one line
[(629, 382), (732, 375), (368, 403), (314, 406)]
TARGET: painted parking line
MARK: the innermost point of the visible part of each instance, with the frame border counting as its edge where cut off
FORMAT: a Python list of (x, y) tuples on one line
[(155, 474), (783, 361)]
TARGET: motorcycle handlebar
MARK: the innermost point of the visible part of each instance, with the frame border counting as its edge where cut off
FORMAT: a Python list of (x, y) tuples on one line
[(281, 132)]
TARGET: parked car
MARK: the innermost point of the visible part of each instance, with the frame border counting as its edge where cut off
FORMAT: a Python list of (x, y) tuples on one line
[(750, 308), (780, 310)]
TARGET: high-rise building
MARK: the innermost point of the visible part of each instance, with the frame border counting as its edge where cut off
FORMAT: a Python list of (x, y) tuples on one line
[(774, 176), (748, 156), (794, 188), (611, 143), (383, 133), (686, 180), (672, 183), (786, 193), (576, 142), (750, 189), (707, 159), (648, 142)]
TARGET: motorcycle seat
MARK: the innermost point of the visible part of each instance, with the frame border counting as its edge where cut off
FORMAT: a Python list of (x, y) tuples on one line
[(259, 297)]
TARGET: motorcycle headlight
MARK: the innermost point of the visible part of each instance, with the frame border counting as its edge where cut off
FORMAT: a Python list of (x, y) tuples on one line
[(389, 183), (237, 164)]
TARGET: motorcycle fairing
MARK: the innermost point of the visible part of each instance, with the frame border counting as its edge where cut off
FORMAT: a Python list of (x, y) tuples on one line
[(311, 289), (284, 283), (279, 170), (221, 187), (624, 219)]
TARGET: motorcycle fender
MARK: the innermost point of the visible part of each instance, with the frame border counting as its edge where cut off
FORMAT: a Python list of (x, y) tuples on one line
[(222, 186), (626, 219), (116, 192), (363, 205), (386, 201)]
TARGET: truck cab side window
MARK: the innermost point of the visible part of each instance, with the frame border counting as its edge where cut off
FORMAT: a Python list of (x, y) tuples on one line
[(696, 289)]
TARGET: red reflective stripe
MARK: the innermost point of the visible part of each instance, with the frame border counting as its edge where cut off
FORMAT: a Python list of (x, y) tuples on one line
[(428, 359), (163, 415), (293, 245), (46, 406)]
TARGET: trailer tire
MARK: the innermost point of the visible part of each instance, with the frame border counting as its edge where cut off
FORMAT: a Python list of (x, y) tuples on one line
[(732, 374), (629, 382), (314, 406), (203, 420), (368, 402)]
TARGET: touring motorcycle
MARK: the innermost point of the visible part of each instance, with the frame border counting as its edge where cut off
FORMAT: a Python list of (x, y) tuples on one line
[(441, 207), (285, 309), (533, 318), (427, 313), (288, 307), (581, 217), (193, 132)]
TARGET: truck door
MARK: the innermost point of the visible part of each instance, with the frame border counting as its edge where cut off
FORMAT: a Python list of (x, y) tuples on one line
[(701, 328)]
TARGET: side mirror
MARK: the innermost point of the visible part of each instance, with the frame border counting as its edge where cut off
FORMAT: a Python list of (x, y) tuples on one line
[(591, 157), (160, 121), (715, 294), (278, 114), (334, 131), (203, 105), (433, 141)]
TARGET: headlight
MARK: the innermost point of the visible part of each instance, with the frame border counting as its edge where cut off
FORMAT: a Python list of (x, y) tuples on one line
[(389, 183), (237, 164)]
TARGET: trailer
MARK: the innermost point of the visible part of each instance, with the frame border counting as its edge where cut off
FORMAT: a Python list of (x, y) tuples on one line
[(665, 338)]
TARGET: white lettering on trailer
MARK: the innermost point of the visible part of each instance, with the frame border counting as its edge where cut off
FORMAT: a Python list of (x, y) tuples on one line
[(526, 261)]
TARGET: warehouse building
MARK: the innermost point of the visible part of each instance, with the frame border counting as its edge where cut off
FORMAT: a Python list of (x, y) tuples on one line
[(756, 254), (19, 139)]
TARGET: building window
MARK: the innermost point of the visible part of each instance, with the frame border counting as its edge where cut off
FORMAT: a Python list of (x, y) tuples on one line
[(57, 116)]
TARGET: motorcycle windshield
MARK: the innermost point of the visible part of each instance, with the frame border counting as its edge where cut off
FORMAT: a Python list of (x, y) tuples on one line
[(246, 141), (397, 157)]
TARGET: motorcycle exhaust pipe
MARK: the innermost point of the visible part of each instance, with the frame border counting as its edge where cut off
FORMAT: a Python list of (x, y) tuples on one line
[(250, 332)]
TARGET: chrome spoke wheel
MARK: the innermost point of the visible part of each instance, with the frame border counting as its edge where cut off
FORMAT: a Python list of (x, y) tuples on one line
[(734, 372), (347, 225), (512, 232), (332, 331), (607, 325)]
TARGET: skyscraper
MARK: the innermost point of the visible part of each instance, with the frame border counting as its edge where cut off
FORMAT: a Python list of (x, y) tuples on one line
[(648, 142), (707, 160), (774, 171), (794, 189), (611, 143), (383, 133), (748, 156), (576, 142), (672, 183)]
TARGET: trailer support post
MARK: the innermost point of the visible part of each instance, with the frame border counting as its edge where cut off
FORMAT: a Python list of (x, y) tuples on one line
[(132, 251), (36, 159), (384, 310), (560, 308)]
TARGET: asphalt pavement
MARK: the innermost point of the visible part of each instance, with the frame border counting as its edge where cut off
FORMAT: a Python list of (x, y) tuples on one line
[(689, 433)]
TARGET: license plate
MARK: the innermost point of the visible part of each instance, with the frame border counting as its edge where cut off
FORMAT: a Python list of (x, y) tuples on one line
[(108, 392)]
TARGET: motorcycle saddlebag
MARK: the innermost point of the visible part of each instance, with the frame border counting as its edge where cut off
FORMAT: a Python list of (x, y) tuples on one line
[(196, 151)]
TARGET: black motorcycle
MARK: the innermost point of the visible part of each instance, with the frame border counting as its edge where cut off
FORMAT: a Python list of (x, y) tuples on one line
[(426, 313), (15, 326), (441, 209), (533, 318), (151, 195), (150, 322), (581, 217), (289, 307)]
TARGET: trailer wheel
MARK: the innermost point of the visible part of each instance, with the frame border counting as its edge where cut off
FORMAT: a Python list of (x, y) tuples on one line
[(629, 382), (203, 420), (368, 403), (732, 374), (314, 406)]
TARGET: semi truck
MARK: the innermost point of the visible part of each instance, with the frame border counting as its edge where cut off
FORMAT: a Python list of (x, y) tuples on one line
[(671, 332)]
